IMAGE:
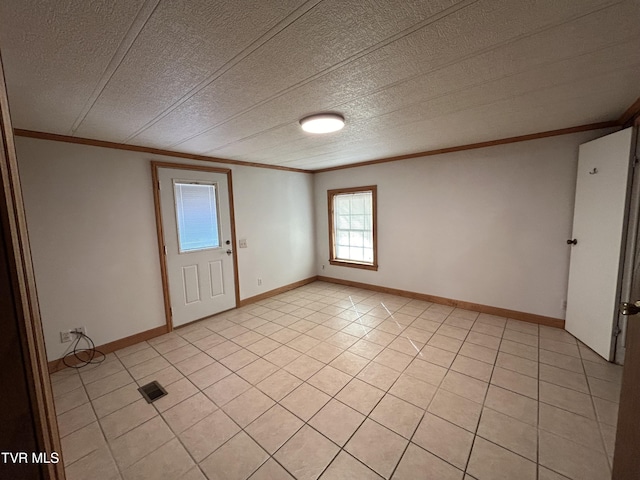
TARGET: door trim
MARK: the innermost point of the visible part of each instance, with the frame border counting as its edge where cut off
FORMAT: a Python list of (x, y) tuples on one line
[(155, 166)]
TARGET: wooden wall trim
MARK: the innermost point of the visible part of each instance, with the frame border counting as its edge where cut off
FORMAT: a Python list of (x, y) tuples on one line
[(501, 312), (627, 118), (57, 365), (473, 146), (277, 291), (154, 151)]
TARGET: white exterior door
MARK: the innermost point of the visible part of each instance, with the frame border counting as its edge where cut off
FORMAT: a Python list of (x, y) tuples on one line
[(196, 220), (598, 228)]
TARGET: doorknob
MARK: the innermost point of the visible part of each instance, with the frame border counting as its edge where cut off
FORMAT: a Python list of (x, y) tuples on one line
[(229, 252), (572, 242), (627, 308)]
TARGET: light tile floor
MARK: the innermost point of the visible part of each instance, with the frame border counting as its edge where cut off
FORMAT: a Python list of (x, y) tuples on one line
[(334, 382)]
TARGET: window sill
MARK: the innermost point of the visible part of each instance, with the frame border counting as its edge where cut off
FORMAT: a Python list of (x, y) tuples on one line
[(345, 263)]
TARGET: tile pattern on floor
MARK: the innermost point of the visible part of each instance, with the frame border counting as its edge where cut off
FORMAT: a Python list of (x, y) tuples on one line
[(335, 382)]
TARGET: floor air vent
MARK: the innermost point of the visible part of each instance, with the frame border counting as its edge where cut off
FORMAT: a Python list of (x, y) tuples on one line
[(152, 391)]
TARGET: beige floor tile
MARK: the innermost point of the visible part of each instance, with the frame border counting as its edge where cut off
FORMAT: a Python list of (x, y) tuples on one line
[(567, 399), (303, 343), (418, 463), (366, 349), (556, 334), (345, 467), (488, 329), (607, 412), (208, 434), (604, 371), (116, 399), (342, 340), (305, 401), (483, 340), (349, 363), (465, 386), (356, 329), (414, 391), (171, 344), (523, 327), (197, 335), (564, 378), (98, 461), (416, 335), (71, 400), (257, 371), (306, 454), (225, 390), (512, 404), (509, 433), (379, 337), (273, 428), (181, 354), (437, 356), (107, 384), (560, 347), (176, 393), (209, 375), (189, 412), (140, 356), (239, 359), (304, 367), (263, 346), (123, 420), (194, 363), (330, 380), (519, 337), (75, 419), (559, 360), (397, 415), (492, 462), (139, 442), (245, 408), (168, 462), (337, 421), (377, 447), (573, 427), (407, 345), (609, 438), (445, 343), (587, 354), (546, 474), (478, 352), (149, 367), (425, 324), (279, 385), (426, 371), (247, 338), (473, 368), (572, 460), (464, 413), (606, 390), (82, 442), (101, 371), (360, 395), (519, 349), (378, 375), (393, 359), (324, 352), (164, 377), (284, 335), (320, 332), (271, 470), (444, 439), (337, 324), (517, 364), (282, 356), (516, 382), (223, 350), (234, 331), (454, 332)]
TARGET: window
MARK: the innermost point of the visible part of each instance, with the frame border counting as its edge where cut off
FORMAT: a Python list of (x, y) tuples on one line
[(196, 216), (352, 227)]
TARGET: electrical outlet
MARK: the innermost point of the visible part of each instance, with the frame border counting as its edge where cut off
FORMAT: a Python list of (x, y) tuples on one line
[(81, 329), (65, 337), (259, 281), (243, 243)]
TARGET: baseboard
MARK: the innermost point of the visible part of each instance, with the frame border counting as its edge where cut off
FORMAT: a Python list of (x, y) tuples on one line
[(501, 312), (277, 291), (56, 365)]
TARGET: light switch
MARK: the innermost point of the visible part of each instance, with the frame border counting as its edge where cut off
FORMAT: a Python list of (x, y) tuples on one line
[(243, 243)]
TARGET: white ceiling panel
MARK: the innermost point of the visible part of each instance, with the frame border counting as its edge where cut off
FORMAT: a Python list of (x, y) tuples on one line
[(231, 78)]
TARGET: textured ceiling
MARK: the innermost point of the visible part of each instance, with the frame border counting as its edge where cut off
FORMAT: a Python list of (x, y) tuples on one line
[(231, 78)]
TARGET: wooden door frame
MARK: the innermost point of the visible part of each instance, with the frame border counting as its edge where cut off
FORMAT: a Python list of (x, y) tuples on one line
[(155, 166), (24, 294)]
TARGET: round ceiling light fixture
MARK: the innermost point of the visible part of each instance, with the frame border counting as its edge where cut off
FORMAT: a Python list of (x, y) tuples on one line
[(322, 123)]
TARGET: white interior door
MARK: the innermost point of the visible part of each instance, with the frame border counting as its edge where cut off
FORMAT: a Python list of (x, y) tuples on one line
[(196, 220), (598, 228)]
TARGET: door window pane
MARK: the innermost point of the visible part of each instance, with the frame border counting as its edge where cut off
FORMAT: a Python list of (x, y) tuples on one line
[(196, 216)]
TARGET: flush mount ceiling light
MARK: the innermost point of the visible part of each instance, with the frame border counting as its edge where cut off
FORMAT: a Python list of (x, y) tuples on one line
[(322, 123)]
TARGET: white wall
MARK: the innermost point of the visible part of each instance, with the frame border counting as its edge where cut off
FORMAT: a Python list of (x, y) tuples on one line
[(92, 229), (487, 226)]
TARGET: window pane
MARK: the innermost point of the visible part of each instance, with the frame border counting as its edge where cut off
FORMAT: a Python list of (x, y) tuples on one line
[(343, 222), (353, 226), (342, 252), (342, 205), (356, 239), (343, 237), (197, 216), (356, 253), (357, 222), (368, 255)]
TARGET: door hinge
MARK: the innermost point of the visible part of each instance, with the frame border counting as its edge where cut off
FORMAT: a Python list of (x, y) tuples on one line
[(617, 331)]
